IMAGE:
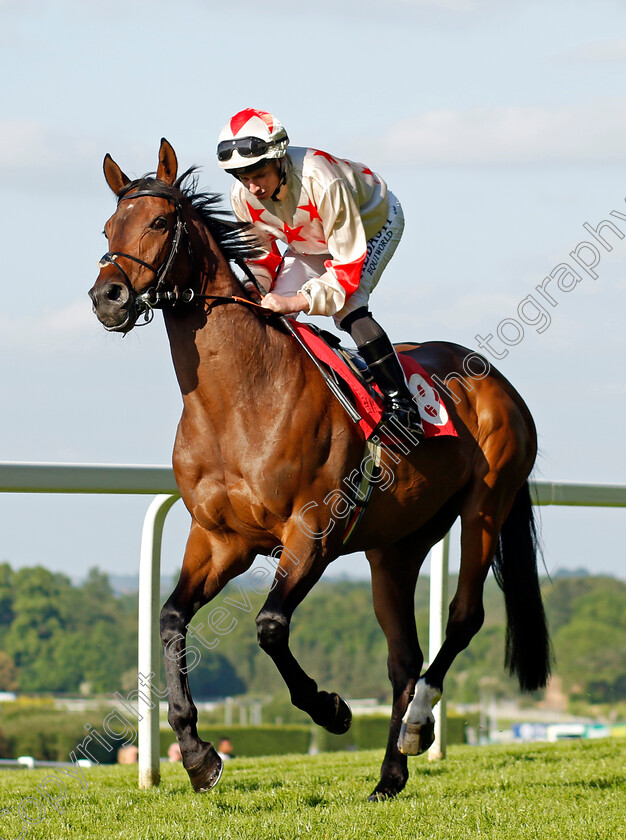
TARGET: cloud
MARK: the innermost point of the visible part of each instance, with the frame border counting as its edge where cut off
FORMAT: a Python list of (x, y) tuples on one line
[(38, 158), (49, 331), (393, 9), (24, 141), (452, 5), (600, 51), (594, 132)]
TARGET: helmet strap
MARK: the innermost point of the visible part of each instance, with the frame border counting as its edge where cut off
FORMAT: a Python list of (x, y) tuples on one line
[(283, 178)]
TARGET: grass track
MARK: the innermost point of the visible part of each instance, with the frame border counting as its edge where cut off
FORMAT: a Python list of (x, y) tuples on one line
[(553, 792)]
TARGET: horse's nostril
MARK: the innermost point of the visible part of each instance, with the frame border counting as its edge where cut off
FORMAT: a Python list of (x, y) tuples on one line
[(113, 292)]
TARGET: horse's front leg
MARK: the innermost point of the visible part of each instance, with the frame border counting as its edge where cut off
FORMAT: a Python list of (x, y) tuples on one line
[(301, 565), (207, 568)]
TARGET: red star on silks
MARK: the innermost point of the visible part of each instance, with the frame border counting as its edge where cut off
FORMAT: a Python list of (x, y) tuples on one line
[(239, 120), (328, 157), (292, 234), (368, 171), (311, 209), (255, 215)]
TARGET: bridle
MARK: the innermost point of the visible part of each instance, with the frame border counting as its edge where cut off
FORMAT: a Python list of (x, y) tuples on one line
[(158, 296)]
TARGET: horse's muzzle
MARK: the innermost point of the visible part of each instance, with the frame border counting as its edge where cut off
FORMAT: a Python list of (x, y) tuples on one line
[(114, 305)]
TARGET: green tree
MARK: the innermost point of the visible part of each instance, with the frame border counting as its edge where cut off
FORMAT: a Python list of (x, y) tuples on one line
[(588, 618), (6, 599), (8, 673), (62, 636)]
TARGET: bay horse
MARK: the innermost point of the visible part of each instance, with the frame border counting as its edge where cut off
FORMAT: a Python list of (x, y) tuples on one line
[(261, 439)]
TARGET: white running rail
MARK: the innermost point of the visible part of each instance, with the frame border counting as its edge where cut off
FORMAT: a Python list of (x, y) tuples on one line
[(158, 481)]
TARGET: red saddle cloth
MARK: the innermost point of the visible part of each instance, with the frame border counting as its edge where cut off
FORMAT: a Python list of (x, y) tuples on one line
[(435, 418)]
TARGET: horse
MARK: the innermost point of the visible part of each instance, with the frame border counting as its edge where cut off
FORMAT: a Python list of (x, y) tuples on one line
[(263, 444)]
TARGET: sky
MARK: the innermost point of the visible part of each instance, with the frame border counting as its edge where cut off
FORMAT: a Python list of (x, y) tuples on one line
[(500, 126)]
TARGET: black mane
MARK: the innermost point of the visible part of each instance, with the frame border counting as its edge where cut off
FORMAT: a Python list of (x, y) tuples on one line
[(235, 239)]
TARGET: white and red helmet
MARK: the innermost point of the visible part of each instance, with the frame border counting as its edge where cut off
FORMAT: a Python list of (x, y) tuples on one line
[(249, 138)]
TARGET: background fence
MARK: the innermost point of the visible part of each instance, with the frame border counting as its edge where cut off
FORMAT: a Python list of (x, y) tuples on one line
[(159, 481)]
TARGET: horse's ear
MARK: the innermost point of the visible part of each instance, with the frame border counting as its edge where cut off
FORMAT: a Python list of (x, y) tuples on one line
[(168, 165), (115, 178)]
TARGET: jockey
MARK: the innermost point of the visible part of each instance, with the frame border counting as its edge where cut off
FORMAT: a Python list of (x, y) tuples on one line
[(341, 225)]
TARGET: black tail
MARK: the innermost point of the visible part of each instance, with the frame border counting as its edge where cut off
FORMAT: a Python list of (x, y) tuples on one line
[(528, 649)]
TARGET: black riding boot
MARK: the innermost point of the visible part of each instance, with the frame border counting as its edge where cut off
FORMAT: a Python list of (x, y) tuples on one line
[(386, 369)]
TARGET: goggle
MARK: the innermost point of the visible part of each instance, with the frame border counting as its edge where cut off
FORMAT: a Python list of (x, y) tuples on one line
[(246, 146)]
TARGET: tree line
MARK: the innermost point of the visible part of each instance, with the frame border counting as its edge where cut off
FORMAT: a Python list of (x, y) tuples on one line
[(62, 638)]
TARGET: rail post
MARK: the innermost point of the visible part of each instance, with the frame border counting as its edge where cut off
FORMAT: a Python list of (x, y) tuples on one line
[(439, 561), (148, 640)]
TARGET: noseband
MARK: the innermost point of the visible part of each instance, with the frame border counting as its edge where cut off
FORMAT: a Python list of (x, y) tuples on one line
[(156, 296)]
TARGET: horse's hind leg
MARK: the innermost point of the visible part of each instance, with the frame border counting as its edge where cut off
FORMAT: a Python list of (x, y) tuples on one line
[(394, 575), (481, 520), (206, 570)]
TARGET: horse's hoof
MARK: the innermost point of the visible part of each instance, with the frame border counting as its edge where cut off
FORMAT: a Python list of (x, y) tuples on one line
[(387, 790), (379, 796), (392, 781), (416, 738), (341, 718), (206, 773)]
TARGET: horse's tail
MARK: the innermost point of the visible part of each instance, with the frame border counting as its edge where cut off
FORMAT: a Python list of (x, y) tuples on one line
[(528, 649)]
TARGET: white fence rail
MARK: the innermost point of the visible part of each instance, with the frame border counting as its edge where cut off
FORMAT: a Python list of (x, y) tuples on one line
[(29, 477), (117, 478), (159, 481)]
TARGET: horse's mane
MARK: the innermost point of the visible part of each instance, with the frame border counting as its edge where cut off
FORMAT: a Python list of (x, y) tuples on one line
[(236, 240)]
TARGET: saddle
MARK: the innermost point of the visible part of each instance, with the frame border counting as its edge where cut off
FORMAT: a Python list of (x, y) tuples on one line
[(352, 358), (351, 374)]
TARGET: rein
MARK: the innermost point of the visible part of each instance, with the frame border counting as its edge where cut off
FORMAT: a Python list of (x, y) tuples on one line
[(231, 299), (155, 298)]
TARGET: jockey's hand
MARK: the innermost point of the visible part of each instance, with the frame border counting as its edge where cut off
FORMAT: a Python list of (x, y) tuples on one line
[(285, 305)]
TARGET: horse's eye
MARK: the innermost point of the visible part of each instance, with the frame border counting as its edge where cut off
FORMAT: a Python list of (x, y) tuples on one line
[(159, 223)]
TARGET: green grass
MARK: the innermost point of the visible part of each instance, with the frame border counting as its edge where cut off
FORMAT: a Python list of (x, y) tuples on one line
[(567, 790)]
